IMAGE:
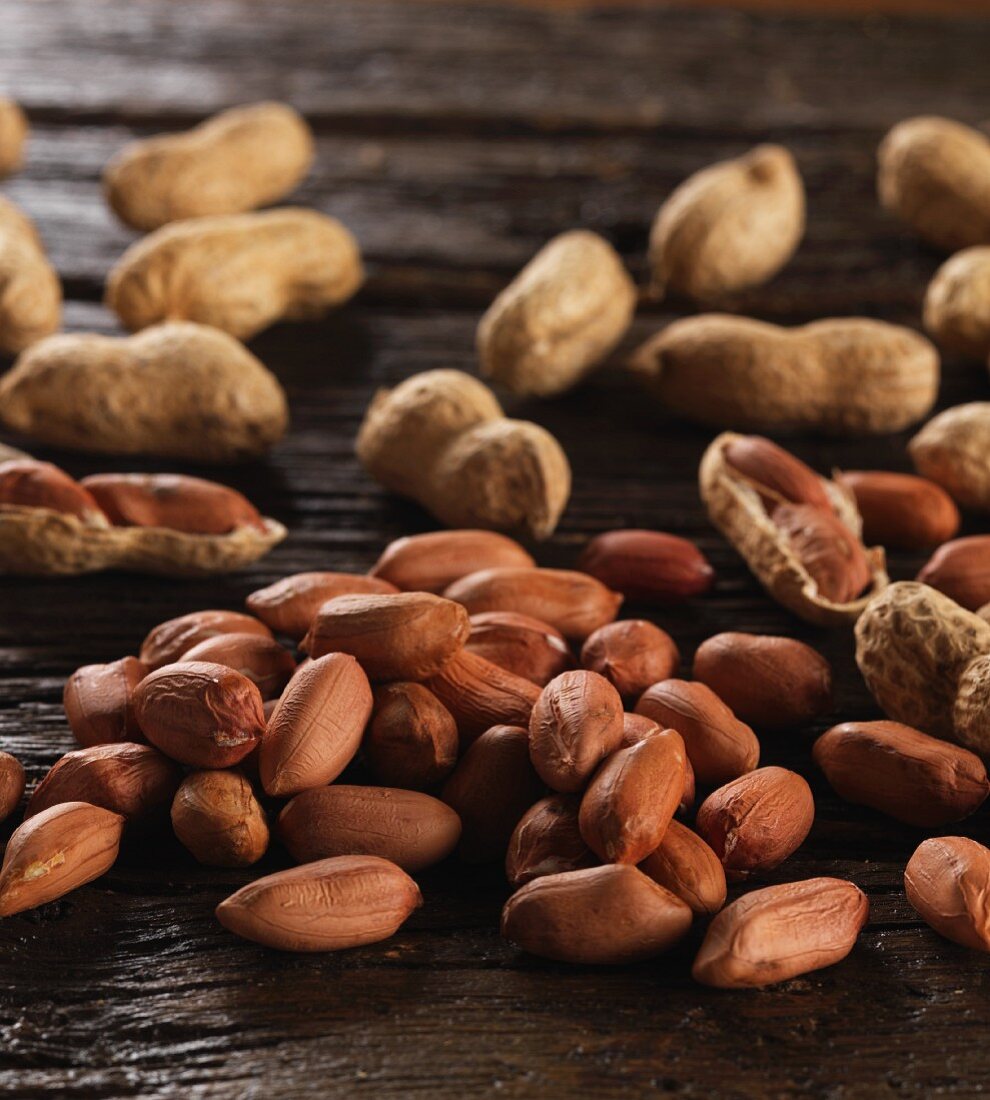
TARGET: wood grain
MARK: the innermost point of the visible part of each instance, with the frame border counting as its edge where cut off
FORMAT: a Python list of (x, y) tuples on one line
[(454, 139)]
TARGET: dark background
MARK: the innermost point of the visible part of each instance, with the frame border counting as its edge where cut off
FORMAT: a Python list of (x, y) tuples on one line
[(454, 140)]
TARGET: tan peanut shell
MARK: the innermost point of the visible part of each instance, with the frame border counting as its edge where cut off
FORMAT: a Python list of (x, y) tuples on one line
[(782, 931), (216, 816), (946, 882), (441, 438), (432, 561), (913, 646), (235, 161), (335, 903), (289, 606), (30, 290), (12, 781), (686, 866), (736, 508), (547, 841), (237, 272), (480, 694), (953, 450), (560, 316), (166, 642), (178, 390), (934, 174), (730, 226), (99, 702), (844, 376), (13, 136), (957, 303)]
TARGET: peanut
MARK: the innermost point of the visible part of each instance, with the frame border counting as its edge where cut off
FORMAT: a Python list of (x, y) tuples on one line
[(946, 882), (648, 566), (574, 603), (240, 159), (772, 683), (601, 915), (237, 272), (55, 852), (779, 932), (412, 830), (200, 714), (11, 784), (961, 570), (829, 552), (216, 816), (262, 660), (432, 562), (165, 643), (442, 439), (519, 644), (900, 510), (934, 174), (561, 315), (953, 450), (957, 303), (547, 841), (289, 606), (688, 868), (406, 636), (178, 390), (632, 655), (902, 772), (411, 740), (730, 226), (99, 702), (343, 902), (844, 376), (30, 291), (27, 483), (778, 476), (480, 695), (636, 728), (13, 136)]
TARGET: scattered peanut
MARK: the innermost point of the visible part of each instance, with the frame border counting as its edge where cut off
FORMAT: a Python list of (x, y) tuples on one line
[(432, 562), (957, 303), (519, 644), (686, 866), (30, 290), (946, 882), (900, 510), (648, 566), (631, 654), (99, 702), (289, 606), (961, 569), (411, 740), (166, 643), (216, 816), (547, 841), (480, 694), (11, 784), (953, 450)]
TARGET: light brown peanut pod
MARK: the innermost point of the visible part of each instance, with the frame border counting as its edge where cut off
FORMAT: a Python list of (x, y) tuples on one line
[(432, 561), (934, 174), (953, 450), (900, 510), (686, 866), (99, 701), (632, 798), (343, 902), (779, 932), (12, 781), (237, 272), (737, 505), (957, 303), (27, 483), (519, 644), (13, 136), (577, 722), (237, 160), (402, 636), (491, 788), (289, 606), (411, 740), (601, 915), (560, 316), (216, 816), (317, 726), (411, 829), (719, 746), (56, 851), (30, 291), (547, 841), (260, 659), (441, 438), (573, 603), (135, 781), (730, 226), (902, 772), (946, 882), (165, 643), (480, 695), (843, 376), (178, 390), (631, 654), (913, 646)]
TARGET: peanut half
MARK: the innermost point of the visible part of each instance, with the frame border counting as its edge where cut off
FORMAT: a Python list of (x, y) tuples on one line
[(30, 290)]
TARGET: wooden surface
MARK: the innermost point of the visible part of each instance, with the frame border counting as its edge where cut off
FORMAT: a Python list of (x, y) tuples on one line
[(454, 141)]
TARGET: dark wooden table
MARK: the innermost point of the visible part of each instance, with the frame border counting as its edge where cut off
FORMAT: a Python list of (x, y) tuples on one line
[(454, 140)]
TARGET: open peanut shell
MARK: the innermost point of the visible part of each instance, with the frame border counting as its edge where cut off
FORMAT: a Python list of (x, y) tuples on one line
[(38, 541), (737, 509)]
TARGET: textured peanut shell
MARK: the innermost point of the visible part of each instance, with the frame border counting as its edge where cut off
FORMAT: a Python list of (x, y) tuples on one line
[(735, 507), (37, 541), (957, 303), (946, 882), (934, 174), (216, 816), (730, 226), (13, 136), (687, 867), (432, 561), (953, 450), (547, 841), (843, 376), (782, 931), (178, 390), (912, 646), (30, 291), (441, 438), (342, 902), (561, 315), (240, 159), (971, 712), (237, 272)]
